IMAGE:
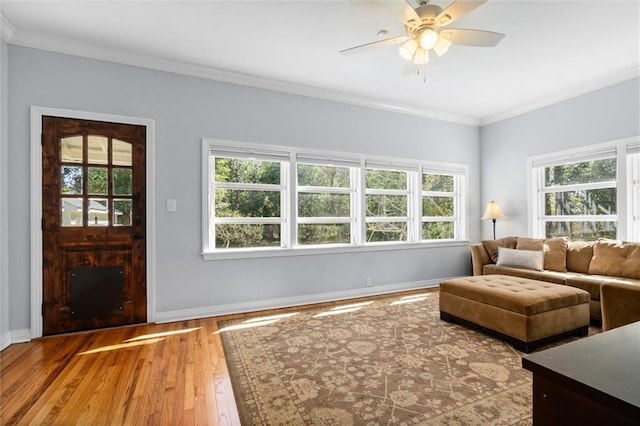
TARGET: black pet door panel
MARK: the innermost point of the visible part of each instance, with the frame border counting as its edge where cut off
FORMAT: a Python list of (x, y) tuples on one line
[(97, 291)]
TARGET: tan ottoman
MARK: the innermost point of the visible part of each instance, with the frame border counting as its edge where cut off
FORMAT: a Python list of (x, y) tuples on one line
[(525, 312)]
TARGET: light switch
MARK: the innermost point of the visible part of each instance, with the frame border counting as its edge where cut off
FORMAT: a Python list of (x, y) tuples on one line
[(171, 205)]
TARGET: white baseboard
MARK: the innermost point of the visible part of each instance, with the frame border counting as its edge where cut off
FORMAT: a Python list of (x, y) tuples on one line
[(14, 336), (236, 308)]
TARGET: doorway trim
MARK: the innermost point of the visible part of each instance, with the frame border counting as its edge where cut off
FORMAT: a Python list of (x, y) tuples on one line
[(37, 113)]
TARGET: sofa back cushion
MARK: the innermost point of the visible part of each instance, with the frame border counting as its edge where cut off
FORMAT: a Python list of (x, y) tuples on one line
[(616, 259), (579, 254), (555, 251), (492, 246)]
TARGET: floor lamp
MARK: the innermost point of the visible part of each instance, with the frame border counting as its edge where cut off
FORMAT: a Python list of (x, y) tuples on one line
[(493, 212)]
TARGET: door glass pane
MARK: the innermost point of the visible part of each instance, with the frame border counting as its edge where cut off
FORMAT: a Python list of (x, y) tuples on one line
[(122, 212), (71, 180), (97, 184), (98, 149), (71, 211), (121, 155), (71, 149), (121, 181), (98, 212)]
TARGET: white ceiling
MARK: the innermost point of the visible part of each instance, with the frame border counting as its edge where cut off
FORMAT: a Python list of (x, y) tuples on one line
[(552, 50)]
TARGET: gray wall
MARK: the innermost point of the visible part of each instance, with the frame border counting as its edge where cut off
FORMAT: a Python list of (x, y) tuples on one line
[(4, 277), (600, 116), (185, 110)]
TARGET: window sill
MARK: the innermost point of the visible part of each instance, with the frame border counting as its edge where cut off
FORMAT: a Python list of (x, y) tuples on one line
[(310, 251)]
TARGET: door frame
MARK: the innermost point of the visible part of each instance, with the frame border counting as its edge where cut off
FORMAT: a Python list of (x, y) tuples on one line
[(37, 113)]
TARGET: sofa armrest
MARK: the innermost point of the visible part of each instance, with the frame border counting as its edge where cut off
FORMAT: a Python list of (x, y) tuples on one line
[(620, 304), (479, 258)]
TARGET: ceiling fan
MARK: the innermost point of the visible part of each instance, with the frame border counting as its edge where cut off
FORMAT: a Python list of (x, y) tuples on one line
[(425, 27)]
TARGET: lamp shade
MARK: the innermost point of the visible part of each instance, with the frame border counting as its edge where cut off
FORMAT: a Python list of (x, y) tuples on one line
[(493, 211)]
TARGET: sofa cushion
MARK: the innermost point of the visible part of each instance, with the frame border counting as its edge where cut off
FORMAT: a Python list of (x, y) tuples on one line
[(592, 283), (492, 246), (524, 243), (616, 259), (527, 259), (555, 254), (548, 276), (579, 254)]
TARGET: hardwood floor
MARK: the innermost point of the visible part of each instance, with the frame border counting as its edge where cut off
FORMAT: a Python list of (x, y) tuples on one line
[(149, 374)]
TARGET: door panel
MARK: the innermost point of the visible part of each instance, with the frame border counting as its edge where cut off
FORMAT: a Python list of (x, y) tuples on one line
[(93, 222)]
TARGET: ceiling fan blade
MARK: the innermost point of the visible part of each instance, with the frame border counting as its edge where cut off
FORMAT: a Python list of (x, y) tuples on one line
[(457, 10), (477, 38), (367, 46), (403, 11)]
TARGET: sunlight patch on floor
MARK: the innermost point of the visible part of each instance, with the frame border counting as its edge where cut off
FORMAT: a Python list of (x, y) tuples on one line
[(410, 299), (162, 334), (121, 346)]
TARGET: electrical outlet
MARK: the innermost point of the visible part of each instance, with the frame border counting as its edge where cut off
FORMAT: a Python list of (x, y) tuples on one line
[(369, 282)]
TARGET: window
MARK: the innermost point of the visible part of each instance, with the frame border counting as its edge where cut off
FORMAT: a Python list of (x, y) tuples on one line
[(325, 201), (267, 199), (388, 193), (634, 190), (585, 194), (440, 205), (249, 200)]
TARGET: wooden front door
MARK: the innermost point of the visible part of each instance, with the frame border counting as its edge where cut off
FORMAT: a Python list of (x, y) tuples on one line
[(93, 223)]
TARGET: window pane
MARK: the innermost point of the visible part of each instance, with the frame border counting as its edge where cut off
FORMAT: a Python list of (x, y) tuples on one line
[(437, 206), (586, 172), (247, 171), (587, 231), (71, 149), (386, 179), (247, 235), (440, 183), (71, 211), (589, 202), (121, 153), (98, 149), (121, 181), (97, 184), (437, 230), (122, 212), (98, 214), (379, 205), (246, 203), (71, 182), (324, 205), (329, 176), (386, 231), (324, 233)]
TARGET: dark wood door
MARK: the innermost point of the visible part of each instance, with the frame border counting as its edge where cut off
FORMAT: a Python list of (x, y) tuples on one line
[(93, 223)]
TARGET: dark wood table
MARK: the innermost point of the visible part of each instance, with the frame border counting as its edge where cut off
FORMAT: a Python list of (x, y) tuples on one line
[(592, 381)]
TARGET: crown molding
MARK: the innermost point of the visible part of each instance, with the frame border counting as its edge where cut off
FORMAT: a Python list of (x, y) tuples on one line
[(6, 29), (86, 50), (593, 85)]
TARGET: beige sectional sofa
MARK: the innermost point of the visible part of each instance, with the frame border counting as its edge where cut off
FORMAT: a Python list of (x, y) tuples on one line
[(580, 264)]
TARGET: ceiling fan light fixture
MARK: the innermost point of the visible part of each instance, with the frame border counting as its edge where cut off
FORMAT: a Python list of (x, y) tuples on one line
[(428, 39), (441, 46), (421, 57), (408, 49)]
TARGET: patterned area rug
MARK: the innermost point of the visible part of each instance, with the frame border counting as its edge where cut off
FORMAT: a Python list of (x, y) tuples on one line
[(385, 361)]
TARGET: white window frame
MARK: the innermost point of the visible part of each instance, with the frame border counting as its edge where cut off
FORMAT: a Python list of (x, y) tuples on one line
[(289, 220), (633, 170), (354, 177), (409, 192), (458, 202), (624, 192)]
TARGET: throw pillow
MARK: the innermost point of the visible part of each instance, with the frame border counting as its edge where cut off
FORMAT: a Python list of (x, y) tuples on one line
[(555, 254), (579, 254), (525, 259), (492, 246), (616, 259), (524, 243)]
